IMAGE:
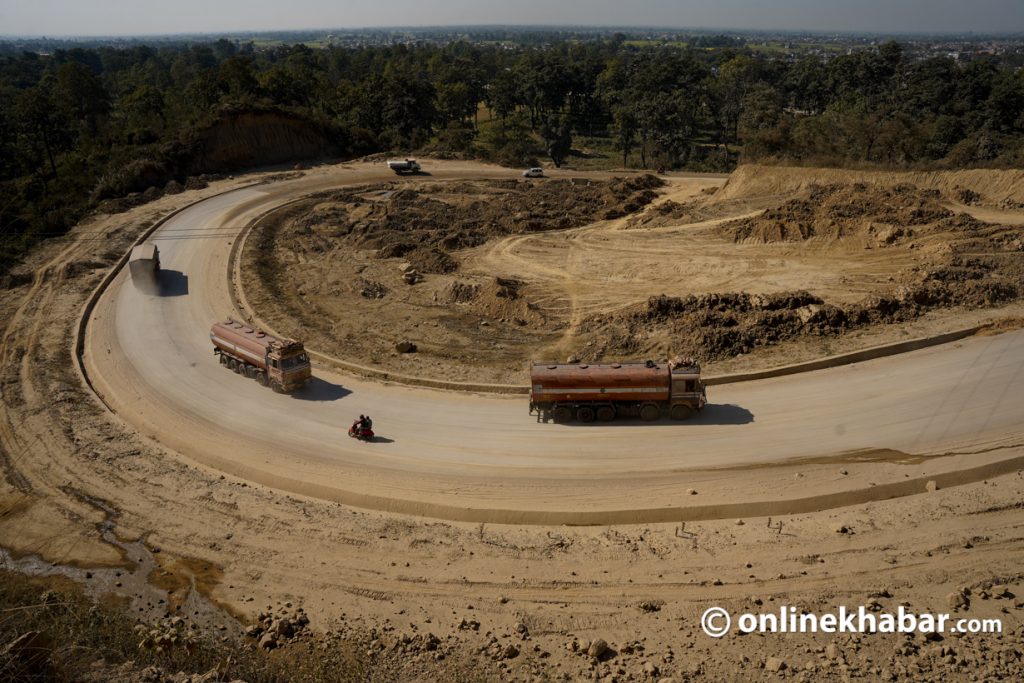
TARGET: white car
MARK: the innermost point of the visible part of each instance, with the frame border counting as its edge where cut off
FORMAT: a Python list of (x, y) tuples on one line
[(533, 173)]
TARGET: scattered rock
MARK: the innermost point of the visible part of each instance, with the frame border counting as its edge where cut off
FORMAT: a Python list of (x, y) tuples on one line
[(931, 486), (597, 648), (405, 346), (958, 600), (774, 664)]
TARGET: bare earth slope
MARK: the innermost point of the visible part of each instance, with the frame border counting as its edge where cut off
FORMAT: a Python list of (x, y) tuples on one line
[(760, 273), (237, 487)]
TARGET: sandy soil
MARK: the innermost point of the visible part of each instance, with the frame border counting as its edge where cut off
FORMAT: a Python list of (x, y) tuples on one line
[(867, 258), (389, 580)]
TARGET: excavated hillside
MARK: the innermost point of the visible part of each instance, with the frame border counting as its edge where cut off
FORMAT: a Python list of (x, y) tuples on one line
[(471, 280), (963, 262), (363, 272)]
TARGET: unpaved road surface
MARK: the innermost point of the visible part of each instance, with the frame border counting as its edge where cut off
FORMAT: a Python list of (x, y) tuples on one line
[(74, 473), (482, 458)]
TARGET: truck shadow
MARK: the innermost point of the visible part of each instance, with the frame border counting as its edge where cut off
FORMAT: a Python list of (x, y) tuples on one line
[(723, 414), (172, 283), (713, 414), (319, 390)]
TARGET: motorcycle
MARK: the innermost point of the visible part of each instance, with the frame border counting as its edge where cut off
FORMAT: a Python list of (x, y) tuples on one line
[(358, 432)]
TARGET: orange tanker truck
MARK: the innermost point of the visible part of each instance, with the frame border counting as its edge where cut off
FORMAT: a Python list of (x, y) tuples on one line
[(281, 364), (585, 392)]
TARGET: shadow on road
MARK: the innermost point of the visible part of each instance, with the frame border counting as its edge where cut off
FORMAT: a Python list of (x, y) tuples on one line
[(724, 414), (172, 283), (713, 414), (319, 390), (381, 439)]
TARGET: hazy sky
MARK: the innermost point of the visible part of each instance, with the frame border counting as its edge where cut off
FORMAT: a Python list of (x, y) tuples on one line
[(119, 17)]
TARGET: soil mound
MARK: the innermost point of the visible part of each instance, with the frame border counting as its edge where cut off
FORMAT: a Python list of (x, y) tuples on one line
[(837, 211), (963, 262), (423, 224), (753, 180)]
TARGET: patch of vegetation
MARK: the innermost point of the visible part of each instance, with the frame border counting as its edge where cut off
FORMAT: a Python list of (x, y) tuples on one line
[(82, 125)]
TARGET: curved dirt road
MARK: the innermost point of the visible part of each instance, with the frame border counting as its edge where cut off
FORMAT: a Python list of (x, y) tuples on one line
[(482, 458)]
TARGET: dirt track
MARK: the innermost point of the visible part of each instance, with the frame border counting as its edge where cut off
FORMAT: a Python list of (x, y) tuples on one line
[(415, 575), (150, 358)]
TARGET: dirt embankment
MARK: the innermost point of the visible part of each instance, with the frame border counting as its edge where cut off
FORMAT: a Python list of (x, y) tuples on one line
[(962, 262), (359, 271), (753, 180), (482, 277)]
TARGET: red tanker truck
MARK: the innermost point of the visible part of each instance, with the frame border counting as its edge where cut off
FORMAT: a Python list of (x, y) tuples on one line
[(281, 364), (587, 392)]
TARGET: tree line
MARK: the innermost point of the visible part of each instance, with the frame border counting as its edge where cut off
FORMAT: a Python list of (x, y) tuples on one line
[(71, 119)]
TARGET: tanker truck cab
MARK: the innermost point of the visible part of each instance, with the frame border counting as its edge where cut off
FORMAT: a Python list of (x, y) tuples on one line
[(288, 365), (688, 394)]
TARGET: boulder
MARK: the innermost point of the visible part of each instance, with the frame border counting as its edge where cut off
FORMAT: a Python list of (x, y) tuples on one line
[(597, 648)]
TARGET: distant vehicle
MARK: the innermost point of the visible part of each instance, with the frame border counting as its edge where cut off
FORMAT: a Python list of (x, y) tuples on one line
[(144, 263), (401, 166), (533, 173), (281, 364), (647, 390)]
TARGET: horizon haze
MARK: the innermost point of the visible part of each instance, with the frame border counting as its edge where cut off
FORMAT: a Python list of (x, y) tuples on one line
[(65, 18)]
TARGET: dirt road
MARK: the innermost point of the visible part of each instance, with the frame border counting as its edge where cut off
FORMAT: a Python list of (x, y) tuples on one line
[(482, 458), (74, 474)]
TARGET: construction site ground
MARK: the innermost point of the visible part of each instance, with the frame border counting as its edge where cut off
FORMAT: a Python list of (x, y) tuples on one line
[(507, 272), (184, 504)]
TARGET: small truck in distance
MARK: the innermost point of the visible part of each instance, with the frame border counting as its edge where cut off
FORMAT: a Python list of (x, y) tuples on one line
[(281, 364), (402, 166), (563, 392)]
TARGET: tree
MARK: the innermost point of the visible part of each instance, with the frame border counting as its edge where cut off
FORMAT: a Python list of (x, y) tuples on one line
[(81, 96), (557, 141)]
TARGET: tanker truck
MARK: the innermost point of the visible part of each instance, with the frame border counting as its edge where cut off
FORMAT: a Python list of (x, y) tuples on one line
[(563, 392), (281, 364)]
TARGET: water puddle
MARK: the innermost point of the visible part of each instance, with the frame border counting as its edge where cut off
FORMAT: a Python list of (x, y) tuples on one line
[(151, 588)]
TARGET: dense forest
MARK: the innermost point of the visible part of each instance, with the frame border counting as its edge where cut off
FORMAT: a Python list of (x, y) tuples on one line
[(83, 125)]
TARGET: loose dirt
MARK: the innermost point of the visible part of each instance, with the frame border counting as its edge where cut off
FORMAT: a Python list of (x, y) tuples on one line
[(484, 277), (428, 600)]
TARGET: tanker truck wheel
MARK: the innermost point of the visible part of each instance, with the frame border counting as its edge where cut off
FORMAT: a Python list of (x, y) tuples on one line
[(585, 414), (606, 413), (561, 414), (261, 377), (223, 359), (681, 412), (649, 412)]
